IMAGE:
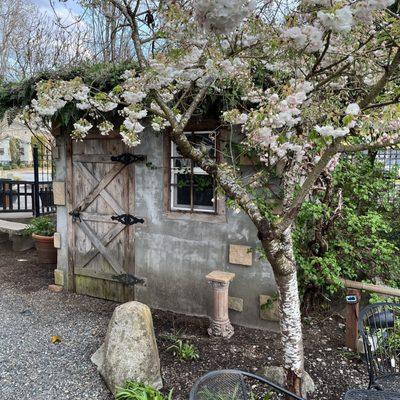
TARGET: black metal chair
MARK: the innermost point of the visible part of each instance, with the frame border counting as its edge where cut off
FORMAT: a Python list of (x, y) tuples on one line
[(379, 326), (360, 394), (231, 384)]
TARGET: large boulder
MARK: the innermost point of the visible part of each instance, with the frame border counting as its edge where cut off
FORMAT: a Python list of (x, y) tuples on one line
[(130, 350), (277, 375)]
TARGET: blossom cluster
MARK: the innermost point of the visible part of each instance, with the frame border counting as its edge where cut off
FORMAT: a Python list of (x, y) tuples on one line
[(270, 128), (309, 37), (221, 16), (306, 101)]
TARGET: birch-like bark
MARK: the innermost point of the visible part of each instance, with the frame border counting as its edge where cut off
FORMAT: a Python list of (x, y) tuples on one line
[(280, 255)]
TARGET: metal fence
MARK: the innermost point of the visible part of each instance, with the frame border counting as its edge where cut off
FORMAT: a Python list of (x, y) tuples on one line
[(36, 195)]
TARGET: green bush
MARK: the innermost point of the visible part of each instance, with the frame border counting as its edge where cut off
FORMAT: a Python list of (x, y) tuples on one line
[(43, 226), (363, 242), (138, 391)]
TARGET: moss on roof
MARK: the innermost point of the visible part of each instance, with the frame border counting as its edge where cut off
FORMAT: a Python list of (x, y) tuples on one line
[(16, 95)]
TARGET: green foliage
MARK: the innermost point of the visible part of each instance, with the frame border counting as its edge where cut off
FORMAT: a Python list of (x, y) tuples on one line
[(364, 242), (378, 298), (184, 351), (138, 391), (43, 226)]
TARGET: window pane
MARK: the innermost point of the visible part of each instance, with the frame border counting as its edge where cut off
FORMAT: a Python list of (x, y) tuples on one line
[(182, 163), (183, 196), (203, 191), (181, 190)]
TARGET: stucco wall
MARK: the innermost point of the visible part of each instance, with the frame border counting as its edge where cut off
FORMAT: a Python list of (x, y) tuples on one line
[(175, 255)]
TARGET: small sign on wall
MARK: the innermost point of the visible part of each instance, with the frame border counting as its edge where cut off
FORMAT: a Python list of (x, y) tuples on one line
[(57, 240), (241, 255), (59, 193)]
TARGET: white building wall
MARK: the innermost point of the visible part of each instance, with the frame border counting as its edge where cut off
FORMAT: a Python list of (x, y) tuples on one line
[(5, 157), (26, 157)]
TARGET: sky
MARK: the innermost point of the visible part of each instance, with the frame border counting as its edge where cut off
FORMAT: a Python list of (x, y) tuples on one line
[(63, 10)]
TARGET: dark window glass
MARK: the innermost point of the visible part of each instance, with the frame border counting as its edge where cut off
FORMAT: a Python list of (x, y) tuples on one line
[(191, 188)]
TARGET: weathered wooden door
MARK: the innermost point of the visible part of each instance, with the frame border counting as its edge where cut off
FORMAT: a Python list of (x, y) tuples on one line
[(103, 206)]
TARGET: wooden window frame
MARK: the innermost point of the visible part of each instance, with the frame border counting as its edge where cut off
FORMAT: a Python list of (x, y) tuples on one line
[(192, 171), (218, 215)]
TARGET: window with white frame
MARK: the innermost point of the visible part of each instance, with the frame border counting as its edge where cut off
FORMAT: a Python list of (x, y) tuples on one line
[(191, 188), (1, 151)]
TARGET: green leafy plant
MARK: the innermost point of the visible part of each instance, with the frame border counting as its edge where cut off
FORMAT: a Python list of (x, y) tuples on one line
[(138, 391), (43, 226), (184, 351), (361, 242)]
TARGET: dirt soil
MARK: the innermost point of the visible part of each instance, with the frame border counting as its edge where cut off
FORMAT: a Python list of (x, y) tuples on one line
[(333, 368)]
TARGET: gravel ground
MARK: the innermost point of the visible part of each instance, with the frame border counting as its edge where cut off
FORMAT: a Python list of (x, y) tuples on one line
[(31, 367)]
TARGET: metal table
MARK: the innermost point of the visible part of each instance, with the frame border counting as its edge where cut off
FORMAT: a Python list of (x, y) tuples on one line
[(362, 394)]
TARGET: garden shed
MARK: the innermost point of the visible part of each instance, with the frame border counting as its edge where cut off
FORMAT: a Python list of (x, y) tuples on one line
[(143, 223)]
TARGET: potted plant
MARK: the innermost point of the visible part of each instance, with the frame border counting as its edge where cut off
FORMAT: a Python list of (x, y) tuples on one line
[(42, 230)]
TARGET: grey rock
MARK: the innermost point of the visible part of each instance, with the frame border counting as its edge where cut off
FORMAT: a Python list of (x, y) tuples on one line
[(277, 375), (130, 349)]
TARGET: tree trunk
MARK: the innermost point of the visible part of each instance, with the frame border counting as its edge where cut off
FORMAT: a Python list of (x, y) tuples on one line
[(280, 255)]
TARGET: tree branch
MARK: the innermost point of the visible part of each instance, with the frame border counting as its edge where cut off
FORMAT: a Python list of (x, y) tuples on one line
[(308, 184), (352, 148), (382, 82)]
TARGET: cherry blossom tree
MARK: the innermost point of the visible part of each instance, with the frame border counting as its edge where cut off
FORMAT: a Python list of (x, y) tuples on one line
[(309, 81)]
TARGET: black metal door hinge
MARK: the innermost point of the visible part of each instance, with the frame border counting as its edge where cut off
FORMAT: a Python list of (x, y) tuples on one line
[(128, 158), (76, 215), (127, 219), (130, 280)]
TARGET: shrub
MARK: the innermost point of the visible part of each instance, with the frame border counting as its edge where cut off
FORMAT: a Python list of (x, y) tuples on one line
[(138, 391), (361, 242), (43, 226)]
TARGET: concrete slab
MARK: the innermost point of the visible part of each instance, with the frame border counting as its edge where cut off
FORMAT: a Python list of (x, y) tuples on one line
[(12, 227)]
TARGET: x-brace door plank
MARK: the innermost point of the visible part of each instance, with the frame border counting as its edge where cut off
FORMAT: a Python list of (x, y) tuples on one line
[(99, 188), (101, 248), (104, 240)]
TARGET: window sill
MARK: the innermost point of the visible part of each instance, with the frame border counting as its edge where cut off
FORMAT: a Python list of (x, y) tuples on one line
[(195, 216)]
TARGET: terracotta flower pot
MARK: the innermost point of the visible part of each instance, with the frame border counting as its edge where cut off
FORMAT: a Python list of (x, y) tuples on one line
[(46, 250)]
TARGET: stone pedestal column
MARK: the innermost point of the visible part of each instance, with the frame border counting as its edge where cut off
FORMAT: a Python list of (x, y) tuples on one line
[(220, 324)]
